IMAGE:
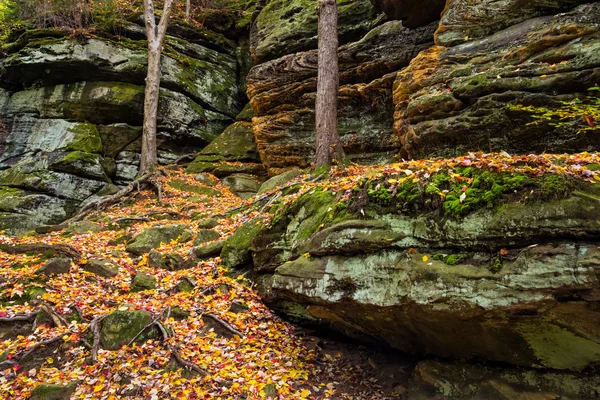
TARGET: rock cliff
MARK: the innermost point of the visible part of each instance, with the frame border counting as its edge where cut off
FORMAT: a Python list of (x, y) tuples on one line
[(72, 109)]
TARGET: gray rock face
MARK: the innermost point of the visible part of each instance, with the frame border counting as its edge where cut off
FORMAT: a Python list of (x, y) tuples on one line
[(121, 326), (102, 60), (55, 266), (284, 27), (243, 185), (71, 114), (102, 268), (462, 381)]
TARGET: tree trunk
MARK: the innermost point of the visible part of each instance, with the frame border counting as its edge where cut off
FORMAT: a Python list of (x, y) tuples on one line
[(156, 36), (149, 159), (329, 148), (188, 11)]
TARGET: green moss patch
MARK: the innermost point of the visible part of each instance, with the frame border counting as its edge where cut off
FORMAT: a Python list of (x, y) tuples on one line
[(461, 192)]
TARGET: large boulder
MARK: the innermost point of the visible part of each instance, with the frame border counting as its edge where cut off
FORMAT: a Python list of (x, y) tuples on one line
[(234, 151), (45, 391), (490, 278), (476, 95), (465, 21), (105, 102), (71, 111)]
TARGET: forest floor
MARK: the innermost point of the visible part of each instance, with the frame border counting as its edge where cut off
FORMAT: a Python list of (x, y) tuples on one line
[(224, 343)]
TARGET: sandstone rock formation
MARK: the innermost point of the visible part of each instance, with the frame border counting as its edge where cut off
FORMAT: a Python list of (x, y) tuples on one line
[(463, 98), (282, 93)]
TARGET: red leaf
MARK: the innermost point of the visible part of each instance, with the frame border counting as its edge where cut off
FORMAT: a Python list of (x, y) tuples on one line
[(590, 120)]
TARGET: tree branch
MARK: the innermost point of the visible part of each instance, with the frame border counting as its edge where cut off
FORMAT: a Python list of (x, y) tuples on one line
[(164, 21), (63, 249)]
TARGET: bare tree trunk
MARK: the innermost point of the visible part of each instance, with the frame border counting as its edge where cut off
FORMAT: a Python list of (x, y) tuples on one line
[(329, 147), (188, 10), (156, 37)]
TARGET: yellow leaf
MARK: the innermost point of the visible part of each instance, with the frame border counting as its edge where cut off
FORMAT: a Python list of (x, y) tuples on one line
[(49, 360), (425, 258), (305, 393), (98, 387)]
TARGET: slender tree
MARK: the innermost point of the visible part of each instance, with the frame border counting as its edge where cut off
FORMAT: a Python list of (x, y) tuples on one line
[(188, 10), (329, 148), (156, 36)]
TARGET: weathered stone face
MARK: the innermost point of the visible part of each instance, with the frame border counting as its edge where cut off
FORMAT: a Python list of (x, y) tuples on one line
[(283, 91), (288, 26), (465, 21), (71, 112), (452, 299), (458, 99), (462, 381), (210, 81)]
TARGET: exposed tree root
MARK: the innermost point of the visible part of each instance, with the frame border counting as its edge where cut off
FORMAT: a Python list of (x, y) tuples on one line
[(37, 346), (110, 200), (62, 249), (185, 157), (175, 352), (157, 186), (57, 319), (21, 317), (95, 328), (225, 325)]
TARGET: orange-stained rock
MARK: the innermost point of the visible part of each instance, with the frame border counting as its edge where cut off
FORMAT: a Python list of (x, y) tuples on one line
[(282, 93), (452, 100)]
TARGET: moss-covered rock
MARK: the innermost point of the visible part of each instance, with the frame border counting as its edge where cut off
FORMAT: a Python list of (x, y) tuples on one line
[(279, 180), (207, 250), (82, 227), (168, 261), (244, 185), (285, 27), (207, 223), (47, 391), (196, 189), (141, 281), (84, 164), (462, 381), (236, 143), (101, 267), (121, 326), (152, 238), (55, 266), (206, 235), (452, 100), (236, 250)]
